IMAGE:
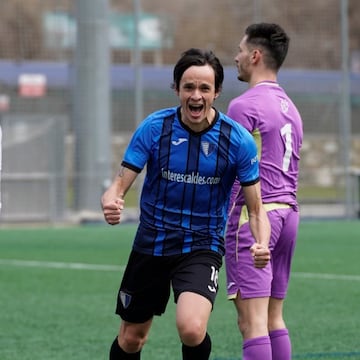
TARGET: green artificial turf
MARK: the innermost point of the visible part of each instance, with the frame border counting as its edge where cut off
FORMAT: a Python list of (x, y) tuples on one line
[(58, 289)]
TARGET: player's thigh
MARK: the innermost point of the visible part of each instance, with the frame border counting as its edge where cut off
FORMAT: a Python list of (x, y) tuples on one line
[(192, 312), (145, 288)]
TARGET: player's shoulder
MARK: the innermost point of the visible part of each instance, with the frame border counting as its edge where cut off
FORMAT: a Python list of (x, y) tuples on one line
[(226, 119), (157, 117), (236, 127), (161, 114), (246, 100)]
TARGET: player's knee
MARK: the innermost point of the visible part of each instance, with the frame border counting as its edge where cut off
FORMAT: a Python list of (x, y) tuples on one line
[(132, 342), (242, 325), (275, 316), (191, 332), (252, 327), (276, 323)]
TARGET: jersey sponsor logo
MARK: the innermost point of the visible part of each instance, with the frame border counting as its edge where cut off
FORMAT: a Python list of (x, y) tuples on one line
[(179, 141), (125, 299), (193, 178), (207, 148)]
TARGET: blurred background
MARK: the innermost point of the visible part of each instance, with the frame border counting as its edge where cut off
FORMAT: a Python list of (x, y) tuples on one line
[(77, 76)]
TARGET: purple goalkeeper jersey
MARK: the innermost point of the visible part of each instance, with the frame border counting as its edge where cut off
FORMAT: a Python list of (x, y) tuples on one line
[(275, 123)]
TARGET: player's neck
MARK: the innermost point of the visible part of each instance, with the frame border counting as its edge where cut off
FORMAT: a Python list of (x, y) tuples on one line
[(267, 82), (263, 78)]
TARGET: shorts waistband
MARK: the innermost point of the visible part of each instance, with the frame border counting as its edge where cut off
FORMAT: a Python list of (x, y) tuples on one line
[(274, 206), (244, 216)]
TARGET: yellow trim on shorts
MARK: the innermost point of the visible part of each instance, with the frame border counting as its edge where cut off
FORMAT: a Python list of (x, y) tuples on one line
[(244, 216), (232, 297)]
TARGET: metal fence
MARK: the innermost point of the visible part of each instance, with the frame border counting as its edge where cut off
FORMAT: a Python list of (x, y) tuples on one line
[(34, 177), (57, 151)]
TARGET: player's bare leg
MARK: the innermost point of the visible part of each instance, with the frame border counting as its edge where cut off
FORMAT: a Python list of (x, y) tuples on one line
[(192, 316), (252, 322), (279, 335)]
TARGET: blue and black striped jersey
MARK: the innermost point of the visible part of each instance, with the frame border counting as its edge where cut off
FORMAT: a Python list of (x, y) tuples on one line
[(188, 180)]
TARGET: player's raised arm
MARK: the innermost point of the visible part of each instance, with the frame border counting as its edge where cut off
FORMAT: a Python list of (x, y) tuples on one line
[(112, 200)]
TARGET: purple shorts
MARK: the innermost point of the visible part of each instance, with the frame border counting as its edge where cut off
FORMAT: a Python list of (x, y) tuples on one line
[(241, 274)]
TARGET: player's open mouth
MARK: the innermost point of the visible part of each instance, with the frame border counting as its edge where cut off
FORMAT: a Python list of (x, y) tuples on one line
[(196, 109)]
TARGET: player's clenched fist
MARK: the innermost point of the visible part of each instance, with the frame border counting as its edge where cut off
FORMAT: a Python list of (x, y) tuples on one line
[(112, 210), (260, 254)]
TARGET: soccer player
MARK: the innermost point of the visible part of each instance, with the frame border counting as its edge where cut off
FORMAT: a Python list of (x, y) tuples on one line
[(271, 117), (192, 154)]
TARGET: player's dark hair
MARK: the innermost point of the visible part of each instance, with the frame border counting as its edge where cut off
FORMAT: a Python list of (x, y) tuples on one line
[(272, 39), (198, 57)]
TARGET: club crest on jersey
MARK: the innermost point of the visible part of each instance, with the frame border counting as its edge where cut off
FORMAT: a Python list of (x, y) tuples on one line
[(207, 148), (284, 106), (125, 299)]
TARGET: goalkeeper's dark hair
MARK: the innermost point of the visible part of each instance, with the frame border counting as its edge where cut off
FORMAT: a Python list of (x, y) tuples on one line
[(272, 39), (198, 57)]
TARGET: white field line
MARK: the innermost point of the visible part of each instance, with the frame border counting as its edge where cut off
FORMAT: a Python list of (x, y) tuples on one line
[(102, 267), (60, 265), (322, 276)]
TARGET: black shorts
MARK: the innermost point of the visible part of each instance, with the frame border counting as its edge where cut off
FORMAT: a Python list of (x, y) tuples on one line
[(145, 287)]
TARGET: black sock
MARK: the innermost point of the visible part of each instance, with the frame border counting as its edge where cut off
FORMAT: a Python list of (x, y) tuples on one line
[(199, 352), (117, 353)]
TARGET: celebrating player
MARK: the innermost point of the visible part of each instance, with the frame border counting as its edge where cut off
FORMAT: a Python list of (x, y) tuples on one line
[(192, 153), (268, 113)]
